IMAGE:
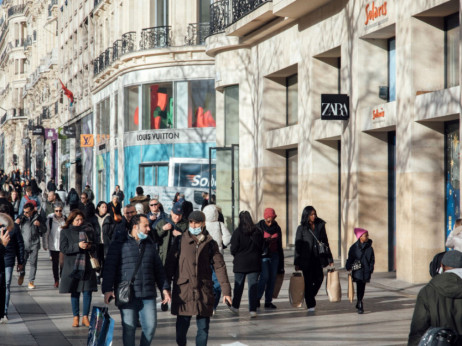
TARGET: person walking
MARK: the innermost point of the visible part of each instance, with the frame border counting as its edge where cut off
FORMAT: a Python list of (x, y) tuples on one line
[(8, 207), (155, 214), (141, 198), (51, 239), (32, 228), (307, 256), (87, 207), (246, 248), (189, 267), (28, 197), (114, 207), (121, 265), (4, 241), (89, 192), (77, 242), (221, 235), (272, 257), (361, 262), (73, 199), (62, 193), (103, 232), (51, 186), (439, 303), (15, 200), (14, 248), (119, 193)]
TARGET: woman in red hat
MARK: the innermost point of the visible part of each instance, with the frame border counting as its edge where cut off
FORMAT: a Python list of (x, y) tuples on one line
[(361, 263), (272, 257)]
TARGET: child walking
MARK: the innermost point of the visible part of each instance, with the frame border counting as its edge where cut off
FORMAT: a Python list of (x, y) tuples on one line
[(361, 262)]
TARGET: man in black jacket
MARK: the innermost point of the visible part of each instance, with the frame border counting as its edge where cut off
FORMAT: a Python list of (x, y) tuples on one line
[(87, 207), (122, 265), (6, 225)]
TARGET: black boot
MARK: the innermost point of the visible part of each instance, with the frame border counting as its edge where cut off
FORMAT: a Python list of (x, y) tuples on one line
[(360, 307)]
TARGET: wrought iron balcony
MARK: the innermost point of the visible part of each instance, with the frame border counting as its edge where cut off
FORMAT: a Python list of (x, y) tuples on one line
[(156, 37), (241, 8), (128, 42), (219, 16), (116, 50), (18, 9), (197, 32), (101, 65), (95, 66), (108, 57)]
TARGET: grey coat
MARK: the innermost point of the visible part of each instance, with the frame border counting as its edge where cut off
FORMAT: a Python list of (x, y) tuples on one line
[(31, 233), (69, 246)]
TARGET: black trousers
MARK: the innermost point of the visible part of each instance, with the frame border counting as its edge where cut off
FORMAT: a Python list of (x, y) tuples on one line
[(360, 289), (55, 264), (313, 279)]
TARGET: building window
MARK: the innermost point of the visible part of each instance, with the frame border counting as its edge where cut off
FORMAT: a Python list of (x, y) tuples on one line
[(201, 109), (154, 174), (132, 116), (391, 69), (161, 8), (292, 100), (451, 51), (157, 106), (232, 115), (204, 11), (103, 117)]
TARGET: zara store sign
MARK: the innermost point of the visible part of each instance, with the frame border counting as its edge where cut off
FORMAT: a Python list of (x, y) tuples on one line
[(335, 107)]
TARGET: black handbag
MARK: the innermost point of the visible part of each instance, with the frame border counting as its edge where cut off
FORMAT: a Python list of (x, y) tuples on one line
[(124, 291), (323, 249)]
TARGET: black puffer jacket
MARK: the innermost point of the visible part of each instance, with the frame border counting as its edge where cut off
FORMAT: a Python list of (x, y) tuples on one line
[(15, 248), (274, 242), (365, 253), (121, 262), (246, 250)]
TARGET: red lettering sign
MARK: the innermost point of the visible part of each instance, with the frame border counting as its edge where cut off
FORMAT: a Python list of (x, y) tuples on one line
[(372, 12), (378, 114)]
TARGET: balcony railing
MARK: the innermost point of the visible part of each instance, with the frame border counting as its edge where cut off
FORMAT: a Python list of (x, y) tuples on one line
[(128, 42), (219, 16), (117, 49), (156, 37), (18, 9), (197, 32), (241, 8)]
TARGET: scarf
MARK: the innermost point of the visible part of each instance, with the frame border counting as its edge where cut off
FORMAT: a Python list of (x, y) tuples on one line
[(79, 264)]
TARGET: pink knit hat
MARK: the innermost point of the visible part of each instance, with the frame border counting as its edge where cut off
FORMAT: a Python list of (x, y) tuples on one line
[(359, 232)]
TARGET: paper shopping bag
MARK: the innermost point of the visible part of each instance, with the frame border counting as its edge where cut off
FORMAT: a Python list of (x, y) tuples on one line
[(278, 284), (351, 289), (296, 289), (333, 289)]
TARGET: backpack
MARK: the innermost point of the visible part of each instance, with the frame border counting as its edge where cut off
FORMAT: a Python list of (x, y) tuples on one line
[(435, 264), (439, 336), (73, 198)]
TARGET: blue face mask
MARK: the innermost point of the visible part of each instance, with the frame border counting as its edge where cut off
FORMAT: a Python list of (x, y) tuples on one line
[(142, 235), (195, 231)]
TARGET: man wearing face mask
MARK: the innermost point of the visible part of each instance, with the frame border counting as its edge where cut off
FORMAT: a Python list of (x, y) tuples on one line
[(121, 263), (188, 265)]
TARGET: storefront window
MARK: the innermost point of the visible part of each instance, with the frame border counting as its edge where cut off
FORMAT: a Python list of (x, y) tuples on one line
[(132, 116), (452, 50), (202, 103), (232, 115), (154, 174), (157, 106), (103, 117), (292, 100), (452, 174)]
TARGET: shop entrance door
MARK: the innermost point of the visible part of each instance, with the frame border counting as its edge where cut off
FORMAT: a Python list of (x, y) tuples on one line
[(226, 180)]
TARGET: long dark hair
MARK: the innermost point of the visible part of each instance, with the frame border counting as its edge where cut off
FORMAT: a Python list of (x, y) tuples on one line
[(99, 205), (246, 223), (305, 221), (70, 219)]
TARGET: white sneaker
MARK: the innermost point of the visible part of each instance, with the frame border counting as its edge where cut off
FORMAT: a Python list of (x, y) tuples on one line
[(4, 320), (312, 309), (253, 314), (233, 309)]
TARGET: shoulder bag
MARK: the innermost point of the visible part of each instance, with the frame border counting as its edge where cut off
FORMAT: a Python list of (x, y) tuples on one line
[(323, 249), (124, 291)]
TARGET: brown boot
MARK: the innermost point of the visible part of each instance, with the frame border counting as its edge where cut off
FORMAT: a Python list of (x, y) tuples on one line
[(85, 321), (76, 321)]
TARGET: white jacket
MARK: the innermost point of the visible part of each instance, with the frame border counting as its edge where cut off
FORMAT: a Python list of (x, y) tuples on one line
[(217, 229), (454, 240), (51, 237)]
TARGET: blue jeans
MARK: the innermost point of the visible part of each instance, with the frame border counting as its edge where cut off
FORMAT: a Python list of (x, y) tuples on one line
[(182, 326), (216, 289), (144, 310), (8, 276), (269, 271), (75, 302), (252, 281)]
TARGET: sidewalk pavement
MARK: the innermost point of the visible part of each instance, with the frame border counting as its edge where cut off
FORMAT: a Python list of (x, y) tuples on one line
[(43, 316)]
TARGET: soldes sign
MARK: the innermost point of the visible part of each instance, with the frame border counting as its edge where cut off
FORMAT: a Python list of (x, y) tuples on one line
[(373, 12), (335, 107)]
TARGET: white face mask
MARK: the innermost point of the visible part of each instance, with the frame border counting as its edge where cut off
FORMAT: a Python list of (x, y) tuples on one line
[(195, 231)]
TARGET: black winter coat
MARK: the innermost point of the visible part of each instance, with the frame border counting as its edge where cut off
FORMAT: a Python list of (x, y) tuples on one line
[(9, 207), (306, 248), (69, 246), (15, 248), (273, 229), (121, 262), (246, 250), (364, 253)]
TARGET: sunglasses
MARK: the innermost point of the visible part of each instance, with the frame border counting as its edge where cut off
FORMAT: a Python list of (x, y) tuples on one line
[(152, 205), (58, 210)]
